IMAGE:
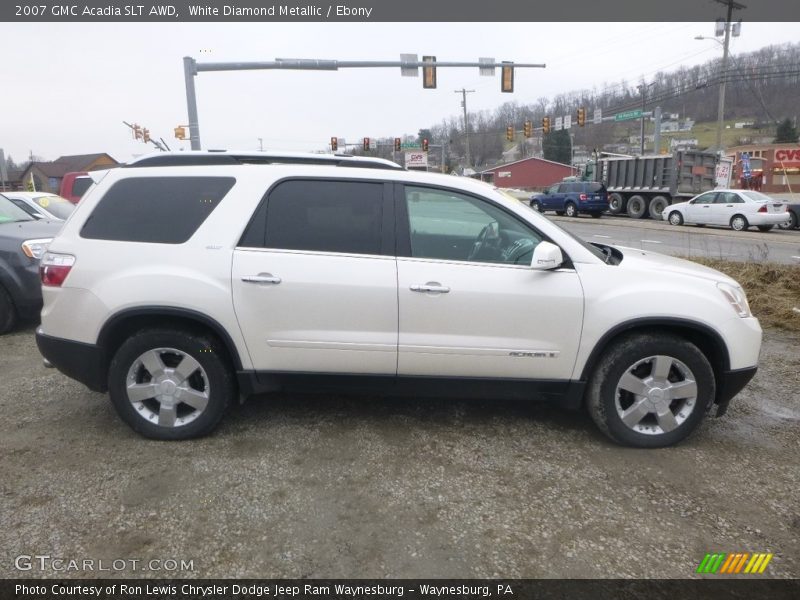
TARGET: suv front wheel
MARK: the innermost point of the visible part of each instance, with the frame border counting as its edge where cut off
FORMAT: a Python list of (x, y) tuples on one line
[(650, 391), (171, 384)]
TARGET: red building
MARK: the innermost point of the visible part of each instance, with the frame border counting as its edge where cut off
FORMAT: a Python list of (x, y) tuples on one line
[(776, 167), (528, 173)]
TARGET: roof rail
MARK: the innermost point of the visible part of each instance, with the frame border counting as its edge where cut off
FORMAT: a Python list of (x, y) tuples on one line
[(226, 157)]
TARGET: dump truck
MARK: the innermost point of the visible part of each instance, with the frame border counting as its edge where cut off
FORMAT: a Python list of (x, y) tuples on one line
[(646, 185)]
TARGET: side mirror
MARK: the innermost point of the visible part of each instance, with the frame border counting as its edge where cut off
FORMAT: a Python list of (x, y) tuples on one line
[(546, 256)]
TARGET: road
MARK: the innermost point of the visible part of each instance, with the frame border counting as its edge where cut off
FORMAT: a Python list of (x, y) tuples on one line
[(334, 486), (778, 245)]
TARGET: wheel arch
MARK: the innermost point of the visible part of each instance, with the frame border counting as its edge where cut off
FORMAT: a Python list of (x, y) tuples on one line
[(124, 323), (704, 337)]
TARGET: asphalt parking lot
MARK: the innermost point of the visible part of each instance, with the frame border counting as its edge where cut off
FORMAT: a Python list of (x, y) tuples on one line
[(316, 486)]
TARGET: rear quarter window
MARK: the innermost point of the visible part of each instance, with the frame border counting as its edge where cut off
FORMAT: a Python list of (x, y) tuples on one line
[(162, 210)]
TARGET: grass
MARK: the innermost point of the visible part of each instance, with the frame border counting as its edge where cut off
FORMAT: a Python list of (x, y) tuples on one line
[(773, 290)]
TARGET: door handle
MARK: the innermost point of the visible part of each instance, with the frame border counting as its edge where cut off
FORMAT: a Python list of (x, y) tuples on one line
[(261, 278), (431, 286)]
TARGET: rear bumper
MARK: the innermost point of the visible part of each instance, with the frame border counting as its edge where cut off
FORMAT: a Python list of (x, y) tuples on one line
[(86, 363), (592, 206), (769, 218), (733, 382)]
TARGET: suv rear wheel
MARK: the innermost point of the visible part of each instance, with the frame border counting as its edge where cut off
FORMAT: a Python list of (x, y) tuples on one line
[(171, 384), (650, 391), (571, 210)]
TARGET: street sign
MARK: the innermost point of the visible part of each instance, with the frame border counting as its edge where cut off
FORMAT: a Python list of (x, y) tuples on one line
[(558, 124), (628, 115), (416, 159), (411, 145), (598, 116), (567, 121)]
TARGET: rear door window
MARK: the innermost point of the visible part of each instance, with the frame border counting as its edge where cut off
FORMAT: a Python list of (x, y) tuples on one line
[(162, 210), (321, 216)]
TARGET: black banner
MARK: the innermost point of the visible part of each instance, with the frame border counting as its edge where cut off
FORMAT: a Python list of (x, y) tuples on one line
[(403, 11), (466, 589)]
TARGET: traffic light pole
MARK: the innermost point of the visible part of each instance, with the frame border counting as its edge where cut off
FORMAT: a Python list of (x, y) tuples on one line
[(191, 68)]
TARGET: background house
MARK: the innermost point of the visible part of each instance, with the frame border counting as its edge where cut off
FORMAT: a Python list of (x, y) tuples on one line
[(47, 175)]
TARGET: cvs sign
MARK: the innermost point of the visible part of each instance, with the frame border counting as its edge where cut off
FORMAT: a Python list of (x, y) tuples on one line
[(788, 156)]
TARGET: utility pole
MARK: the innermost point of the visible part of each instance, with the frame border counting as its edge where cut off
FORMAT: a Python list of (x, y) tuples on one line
[(721, 107), (642, 87), (261, 144), (464, 93)]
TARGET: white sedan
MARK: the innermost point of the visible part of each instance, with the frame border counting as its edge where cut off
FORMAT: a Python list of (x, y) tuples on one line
[(42, 205), (737, 209)]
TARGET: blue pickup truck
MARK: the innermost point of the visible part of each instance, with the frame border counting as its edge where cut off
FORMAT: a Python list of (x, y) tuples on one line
[(572, 198)]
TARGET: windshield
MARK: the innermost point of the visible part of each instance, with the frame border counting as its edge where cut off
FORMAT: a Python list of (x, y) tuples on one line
[(757, 196), (57, 206), (81, 185), (9, 212)]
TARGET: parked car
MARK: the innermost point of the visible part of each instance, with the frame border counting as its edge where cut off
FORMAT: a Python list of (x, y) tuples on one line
[(74, 185), (572, 198), (42, 205), (737, 209), (23, 241), (256, 273), (794, 216)]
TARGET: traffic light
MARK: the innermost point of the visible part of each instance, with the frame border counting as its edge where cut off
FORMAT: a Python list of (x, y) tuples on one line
[(546, 125), (334, 144), (145, 135), (528, 129), (366, 144), (581, 117), (424, 144), (510, 133), (507, 77), (398, 145), (429, 73), (137, 132), (180, 133)]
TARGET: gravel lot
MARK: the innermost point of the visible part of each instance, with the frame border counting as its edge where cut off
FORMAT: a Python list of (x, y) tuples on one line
[(367, 487)]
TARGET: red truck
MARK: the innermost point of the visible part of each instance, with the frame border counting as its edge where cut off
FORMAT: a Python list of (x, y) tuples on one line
[(74, 185)]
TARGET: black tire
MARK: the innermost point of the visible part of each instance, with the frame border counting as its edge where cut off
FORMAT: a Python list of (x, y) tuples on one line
[(570, 209), (8, 313), (675, 218), (596, 215), (536, 205), (765, 228), (618, 360), (739, 223), (637, 207), (214, 376), (657, 206), (792, 224), (616, 204)]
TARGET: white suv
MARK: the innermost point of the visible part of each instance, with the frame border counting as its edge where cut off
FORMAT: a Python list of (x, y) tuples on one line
[(183, 281)]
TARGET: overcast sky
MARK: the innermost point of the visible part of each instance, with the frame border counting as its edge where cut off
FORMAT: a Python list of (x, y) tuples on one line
[(68, 86)]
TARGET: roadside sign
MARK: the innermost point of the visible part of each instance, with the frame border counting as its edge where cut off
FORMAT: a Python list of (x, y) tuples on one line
[(416, 159), (723, 173), (598, 116), (558, 126), (567, 121), (628, 115)]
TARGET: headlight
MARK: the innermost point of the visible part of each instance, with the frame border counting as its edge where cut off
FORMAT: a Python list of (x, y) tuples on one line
[(735, 295), (35, 248)]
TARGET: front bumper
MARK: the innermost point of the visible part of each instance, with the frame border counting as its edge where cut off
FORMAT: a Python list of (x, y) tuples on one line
[(86, 363)]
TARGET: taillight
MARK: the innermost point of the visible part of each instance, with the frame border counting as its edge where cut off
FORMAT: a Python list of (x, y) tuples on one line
[(54, 268), (583, 197), (763, 208)]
